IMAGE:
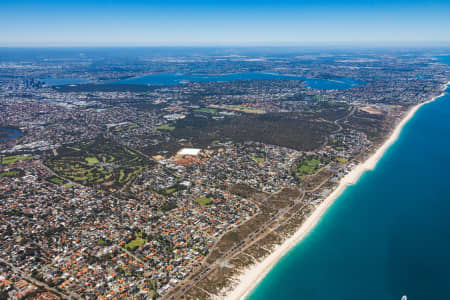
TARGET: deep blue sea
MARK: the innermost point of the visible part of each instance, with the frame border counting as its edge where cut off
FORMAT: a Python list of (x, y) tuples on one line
[(177, 78), (386, 236), (7, 134)]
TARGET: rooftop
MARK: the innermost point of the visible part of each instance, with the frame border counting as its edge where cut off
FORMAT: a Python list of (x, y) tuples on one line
[(189, 151)]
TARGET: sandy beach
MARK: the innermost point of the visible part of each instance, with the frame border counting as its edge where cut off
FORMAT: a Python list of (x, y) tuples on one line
[(250, 277)]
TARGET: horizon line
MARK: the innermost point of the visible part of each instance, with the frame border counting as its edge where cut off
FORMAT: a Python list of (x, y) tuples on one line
[(375, 44)]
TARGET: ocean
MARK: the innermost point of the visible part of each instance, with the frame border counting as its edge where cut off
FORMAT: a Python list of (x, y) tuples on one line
[(386, 236), (176, 78), (444, 59)]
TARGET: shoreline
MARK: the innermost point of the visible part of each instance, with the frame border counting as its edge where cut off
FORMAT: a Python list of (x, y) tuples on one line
[(251, 277)]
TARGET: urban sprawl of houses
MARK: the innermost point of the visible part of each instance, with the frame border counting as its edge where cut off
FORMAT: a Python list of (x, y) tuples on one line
[(78, 222)]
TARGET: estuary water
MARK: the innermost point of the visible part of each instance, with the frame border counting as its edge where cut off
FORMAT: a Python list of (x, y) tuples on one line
[(386, 236), (63, 81), (7, 134), (178, 78)]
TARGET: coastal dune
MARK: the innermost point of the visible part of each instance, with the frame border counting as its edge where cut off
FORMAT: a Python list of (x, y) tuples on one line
[(250, 277)]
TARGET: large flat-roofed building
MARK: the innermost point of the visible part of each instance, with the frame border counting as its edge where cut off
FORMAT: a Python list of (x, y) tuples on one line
[(189, 152)]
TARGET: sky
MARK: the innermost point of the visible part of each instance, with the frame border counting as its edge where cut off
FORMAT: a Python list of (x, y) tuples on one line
[(232, 22)]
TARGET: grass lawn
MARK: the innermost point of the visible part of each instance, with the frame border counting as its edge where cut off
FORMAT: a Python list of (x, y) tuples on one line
[(308, 166), (246, 109), (92, 160), (78, 178), (206, 110), (257, 158), (126, 127), (122, 175), (165, 127), (56, 180), (169, 191), (6, 160), (341, 160), (137, 242), (204, 201), (83, 165), (11, 173), (215, 143), (73, 148)]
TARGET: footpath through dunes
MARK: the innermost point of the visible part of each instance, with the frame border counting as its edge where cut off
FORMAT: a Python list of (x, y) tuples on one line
[(384, 236)]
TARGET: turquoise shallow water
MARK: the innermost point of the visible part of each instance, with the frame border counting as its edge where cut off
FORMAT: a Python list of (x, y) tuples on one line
[(386, 236)]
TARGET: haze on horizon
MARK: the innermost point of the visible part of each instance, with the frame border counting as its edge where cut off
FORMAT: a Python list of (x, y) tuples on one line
[(209, 23)]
